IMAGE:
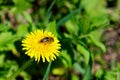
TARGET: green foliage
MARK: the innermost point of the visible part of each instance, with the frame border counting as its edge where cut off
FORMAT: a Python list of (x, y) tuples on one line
[(22, 30), (84, 52), (52, 28), (78, 24), (19, 5), (7, 41), (65, 57), (113, 75), (74, 77), (95, 37), (27, 17)]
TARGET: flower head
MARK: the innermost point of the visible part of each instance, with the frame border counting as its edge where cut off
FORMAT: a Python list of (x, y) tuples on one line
[(41, 44)]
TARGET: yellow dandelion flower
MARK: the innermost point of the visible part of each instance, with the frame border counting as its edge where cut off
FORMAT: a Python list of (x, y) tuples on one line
[(41, 44)]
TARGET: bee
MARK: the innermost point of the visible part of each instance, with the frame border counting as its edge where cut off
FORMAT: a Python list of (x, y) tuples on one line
[(47, 40)]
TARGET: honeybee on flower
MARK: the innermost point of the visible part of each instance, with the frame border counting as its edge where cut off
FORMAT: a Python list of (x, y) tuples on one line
[(41, 45)]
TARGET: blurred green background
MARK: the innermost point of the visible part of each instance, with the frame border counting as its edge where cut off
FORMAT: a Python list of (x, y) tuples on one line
[(88, 30)]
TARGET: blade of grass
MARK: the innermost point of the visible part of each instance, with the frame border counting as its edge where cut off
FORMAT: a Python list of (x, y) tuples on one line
[(49, 12), (63, 20), (52, 4), (47, 71)]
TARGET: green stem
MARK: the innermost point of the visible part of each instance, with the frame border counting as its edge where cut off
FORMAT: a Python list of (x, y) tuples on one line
[(47, 71), (20, 69), (51, 6)]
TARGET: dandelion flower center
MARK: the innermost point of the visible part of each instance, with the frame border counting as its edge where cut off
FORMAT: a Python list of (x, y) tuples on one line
[(41, 45)]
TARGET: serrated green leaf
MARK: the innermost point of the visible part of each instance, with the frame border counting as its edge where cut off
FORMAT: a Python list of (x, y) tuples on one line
[(94, 37), (100, 21), (84, 52)]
